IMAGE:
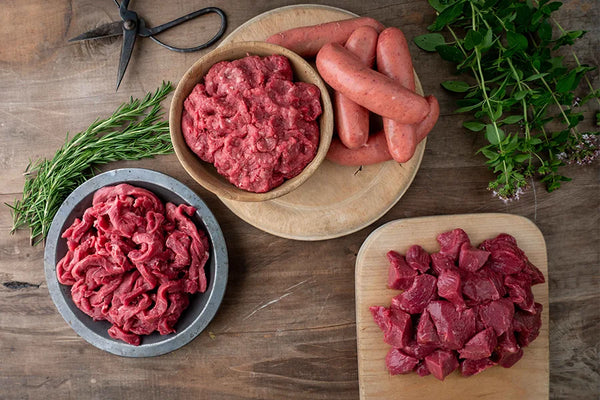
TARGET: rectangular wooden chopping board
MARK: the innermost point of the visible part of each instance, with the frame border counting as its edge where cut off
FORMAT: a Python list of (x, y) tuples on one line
[(528, 379)]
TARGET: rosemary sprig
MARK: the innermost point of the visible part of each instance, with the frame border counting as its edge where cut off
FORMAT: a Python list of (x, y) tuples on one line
[(134, 131), (518, 88)]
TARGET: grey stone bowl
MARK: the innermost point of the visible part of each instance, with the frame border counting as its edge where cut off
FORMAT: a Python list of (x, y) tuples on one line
[(203, 306)]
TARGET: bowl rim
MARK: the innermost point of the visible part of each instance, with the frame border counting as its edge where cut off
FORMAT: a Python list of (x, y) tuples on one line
[(216, 185), (170, 342)]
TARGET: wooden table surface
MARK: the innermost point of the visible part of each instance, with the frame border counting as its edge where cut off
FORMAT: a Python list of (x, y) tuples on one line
[(286, 328)]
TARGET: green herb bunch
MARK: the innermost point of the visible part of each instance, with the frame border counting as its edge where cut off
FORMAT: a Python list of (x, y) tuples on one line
[(523, 95), (134, 131)]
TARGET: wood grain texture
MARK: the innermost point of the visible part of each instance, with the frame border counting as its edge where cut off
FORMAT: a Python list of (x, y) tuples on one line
[(528, 379), (286, 329), (336, 200)]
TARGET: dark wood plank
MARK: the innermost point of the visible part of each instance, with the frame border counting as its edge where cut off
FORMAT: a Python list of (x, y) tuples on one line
[(286, 327)]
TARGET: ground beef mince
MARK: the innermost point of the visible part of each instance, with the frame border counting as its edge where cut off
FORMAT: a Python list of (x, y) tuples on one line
[(133, 261), (253, 122), (472, 307)]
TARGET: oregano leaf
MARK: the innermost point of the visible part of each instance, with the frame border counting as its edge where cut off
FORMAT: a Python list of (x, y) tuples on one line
[(429, 41), (456, 86)]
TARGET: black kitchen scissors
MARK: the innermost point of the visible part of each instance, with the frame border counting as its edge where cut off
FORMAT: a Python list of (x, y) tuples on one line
[(132, 26)]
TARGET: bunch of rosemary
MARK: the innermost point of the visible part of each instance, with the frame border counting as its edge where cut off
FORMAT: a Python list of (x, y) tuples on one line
[(134, 131), (519, 89)]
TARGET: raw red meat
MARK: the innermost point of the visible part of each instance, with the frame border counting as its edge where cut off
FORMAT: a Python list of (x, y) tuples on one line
[(399, 363), (441, 363), (471, 258), (451, 242), (418, 258), (519, 291), (396, 325), (472, 367), (426, 333), (440, 262), (422, 369), (132, 261), (415, 299), (449, 286), (527, 325), (480, 346), (453, 327), (485, 316), (497, 314), (400, 274)]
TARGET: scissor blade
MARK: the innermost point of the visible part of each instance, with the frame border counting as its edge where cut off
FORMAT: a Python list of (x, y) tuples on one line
[(126, 50), (103, 31)]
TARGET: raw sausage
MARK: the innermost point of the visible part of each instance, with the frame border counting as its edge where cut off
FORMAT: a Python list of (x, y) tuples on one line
[(308, 40), (352, 120), (344, 72), (375, 151), (393, 60), (425, 126)]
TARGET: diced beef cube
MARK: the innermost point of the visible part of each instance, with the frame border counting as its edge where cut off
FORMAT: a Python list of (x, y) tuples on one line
[(497, 314), (399, 363), (422, 369), (480, 346), (471, 367), (505, 256), (441, 363), (471, 258), (449, 286), (519, 291), (535, 274), (527, 325), (415, 299), (450, 242), (382, 317), (395, 324), (454, 328), (507, 352), (440, 262), (418, 258), (418, 350), (400, 274), (481, 286), (400, 330), (426, 333)]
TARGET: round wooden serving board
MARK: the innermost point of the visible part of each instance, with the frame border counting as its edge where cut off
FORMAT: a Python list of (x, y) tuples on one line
[(527, 379), (336, 200)]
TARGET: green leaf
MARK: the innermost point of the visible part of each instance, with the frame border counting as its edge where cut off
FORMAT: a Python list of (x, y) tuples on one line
[(520, 94), (456, 86), (472, 39), (494, 135), (521, 157), (566, 84), (545, 31), (512, 119), (516, 41), (429, 41), (490, 154), (497, 113), (534, 77), (488, 39), (474, 126), (449, 53), (447, 16)]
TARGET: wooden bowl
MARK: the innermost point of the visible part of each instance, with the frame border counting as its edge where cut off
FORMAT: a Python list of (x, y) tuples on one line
[(205, 173)]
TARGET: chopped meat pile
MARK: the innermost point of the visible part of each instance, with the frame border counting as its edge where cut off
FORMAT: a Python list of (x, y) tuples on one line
[(463, 307), (253, 122), (133, 261)]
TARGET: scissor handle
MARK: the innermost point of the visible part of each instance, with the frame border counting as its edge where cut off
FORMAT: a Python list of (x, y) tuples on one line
[(150, 32)]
